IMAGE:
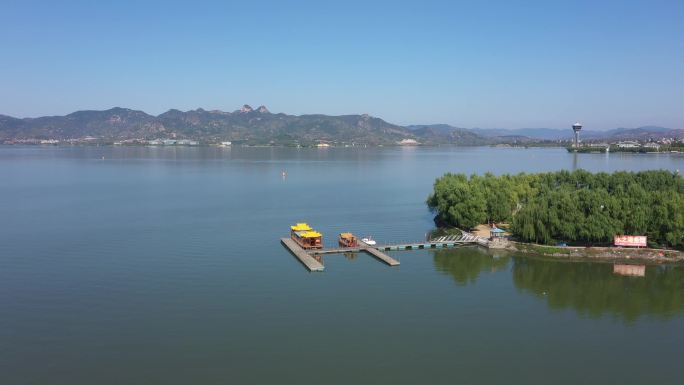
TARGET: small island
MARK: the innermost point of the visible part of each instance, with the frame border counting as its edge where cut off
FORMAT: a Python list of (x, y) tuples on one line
[(563, 208)]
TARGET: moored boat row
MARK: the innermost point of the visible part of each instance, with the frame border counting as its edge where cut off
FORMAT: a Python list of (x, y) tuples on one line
[(308, 238)]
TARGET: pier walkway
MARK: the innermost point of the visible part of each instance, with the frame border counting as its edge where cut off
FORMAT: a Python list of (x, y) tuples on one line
[(378, 254)]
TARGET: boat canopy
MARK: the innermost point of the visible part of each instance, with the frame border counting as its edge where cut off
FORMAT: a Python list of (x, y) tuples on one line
[(301, 227), (347, 235), (309, 234)]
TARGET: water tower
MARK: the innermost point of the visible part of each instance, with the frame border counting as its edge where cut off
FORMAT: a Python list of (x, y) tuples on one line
[(576, 128)]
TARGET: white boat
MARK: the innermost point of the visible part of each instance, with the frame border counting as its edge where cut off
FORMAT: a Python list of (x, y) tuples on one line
[(368, 241)]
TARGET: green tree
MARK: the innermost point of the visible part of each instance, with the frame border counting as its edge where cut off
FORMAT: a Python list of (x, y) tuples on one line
[(458, 201)]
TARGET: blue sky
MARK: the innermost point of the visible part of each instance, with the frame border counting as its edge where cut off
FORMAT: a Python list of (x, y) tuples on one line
[(467, 63)]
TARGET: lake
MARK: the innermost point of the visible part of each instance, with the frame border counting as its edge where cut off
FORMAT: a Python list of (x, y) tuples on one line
[(153, 265)]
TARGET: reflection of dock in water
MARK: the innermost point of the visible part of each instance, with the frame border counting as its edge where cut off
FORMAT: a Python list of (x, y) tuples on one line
[(630, 270)]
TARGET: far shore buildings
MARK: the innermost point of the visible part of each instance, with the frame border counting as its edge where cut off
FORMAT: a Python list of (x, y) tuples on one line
[(186, 142), (628, 144), (408, 142)]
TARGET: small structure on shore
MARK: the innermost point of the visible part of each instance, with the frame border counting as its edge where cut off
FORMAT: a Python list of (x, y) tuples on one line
[(496, 233), (498, 238)]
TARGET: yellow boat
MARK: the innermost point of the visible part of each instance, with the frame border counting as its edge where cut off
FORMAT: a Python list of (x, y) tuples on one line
[(306, 237)]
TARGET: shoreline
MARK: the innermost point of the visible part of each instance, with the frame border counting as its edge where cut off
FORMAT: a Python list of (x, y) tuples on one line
[(337, 146), (583, 253), (614, 254)]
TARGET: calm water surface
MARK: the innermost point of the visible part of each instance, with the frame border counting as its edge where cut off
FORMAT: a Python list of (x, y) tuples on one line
[(163, 266)]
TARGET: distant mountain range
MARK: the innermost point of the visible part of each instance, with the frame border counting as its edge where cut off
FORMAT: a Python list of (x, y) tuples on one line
[(247, 125), (261, 127)]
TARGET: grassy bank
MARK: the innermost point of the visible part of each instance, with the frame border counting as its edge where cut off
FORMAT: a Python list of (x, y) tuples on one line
[(603, 253)]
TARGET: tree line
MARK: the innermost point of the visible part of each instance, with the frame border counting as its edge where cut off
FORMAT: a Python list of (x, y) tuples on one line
[(577, 207)]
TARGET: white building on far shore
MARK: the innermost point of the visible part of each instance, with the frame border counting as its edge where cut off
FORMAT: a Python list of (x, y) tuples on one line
[(628, 144), (408, 142)]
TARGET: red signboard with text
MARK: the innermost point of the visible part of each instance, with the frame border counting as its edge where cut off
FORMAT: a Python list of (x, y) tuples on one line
[(630, 240)]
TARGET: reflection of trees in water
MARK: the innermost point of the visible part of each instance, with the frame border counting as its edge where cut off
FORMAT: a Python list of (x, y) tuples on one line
[(465, 265), (589, 288), (592, 289)]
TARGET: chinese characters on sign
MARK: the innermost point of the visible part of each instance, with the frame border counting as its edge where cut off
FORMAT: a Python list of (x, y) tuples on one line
[(630, 240)]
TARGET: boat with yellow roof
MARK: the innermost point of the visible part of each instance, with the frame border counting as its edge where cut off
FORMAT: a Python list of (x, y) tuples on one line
[(306, 237), (348, 240)]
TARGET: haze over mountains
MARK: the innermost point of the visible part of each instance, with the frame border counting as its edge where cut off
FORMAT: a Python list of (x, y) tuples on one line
[(259, 126)]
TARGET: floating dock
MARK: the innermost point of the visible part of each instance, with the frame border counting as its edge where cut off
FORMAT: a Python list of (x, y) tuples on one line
[(305, 258)]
